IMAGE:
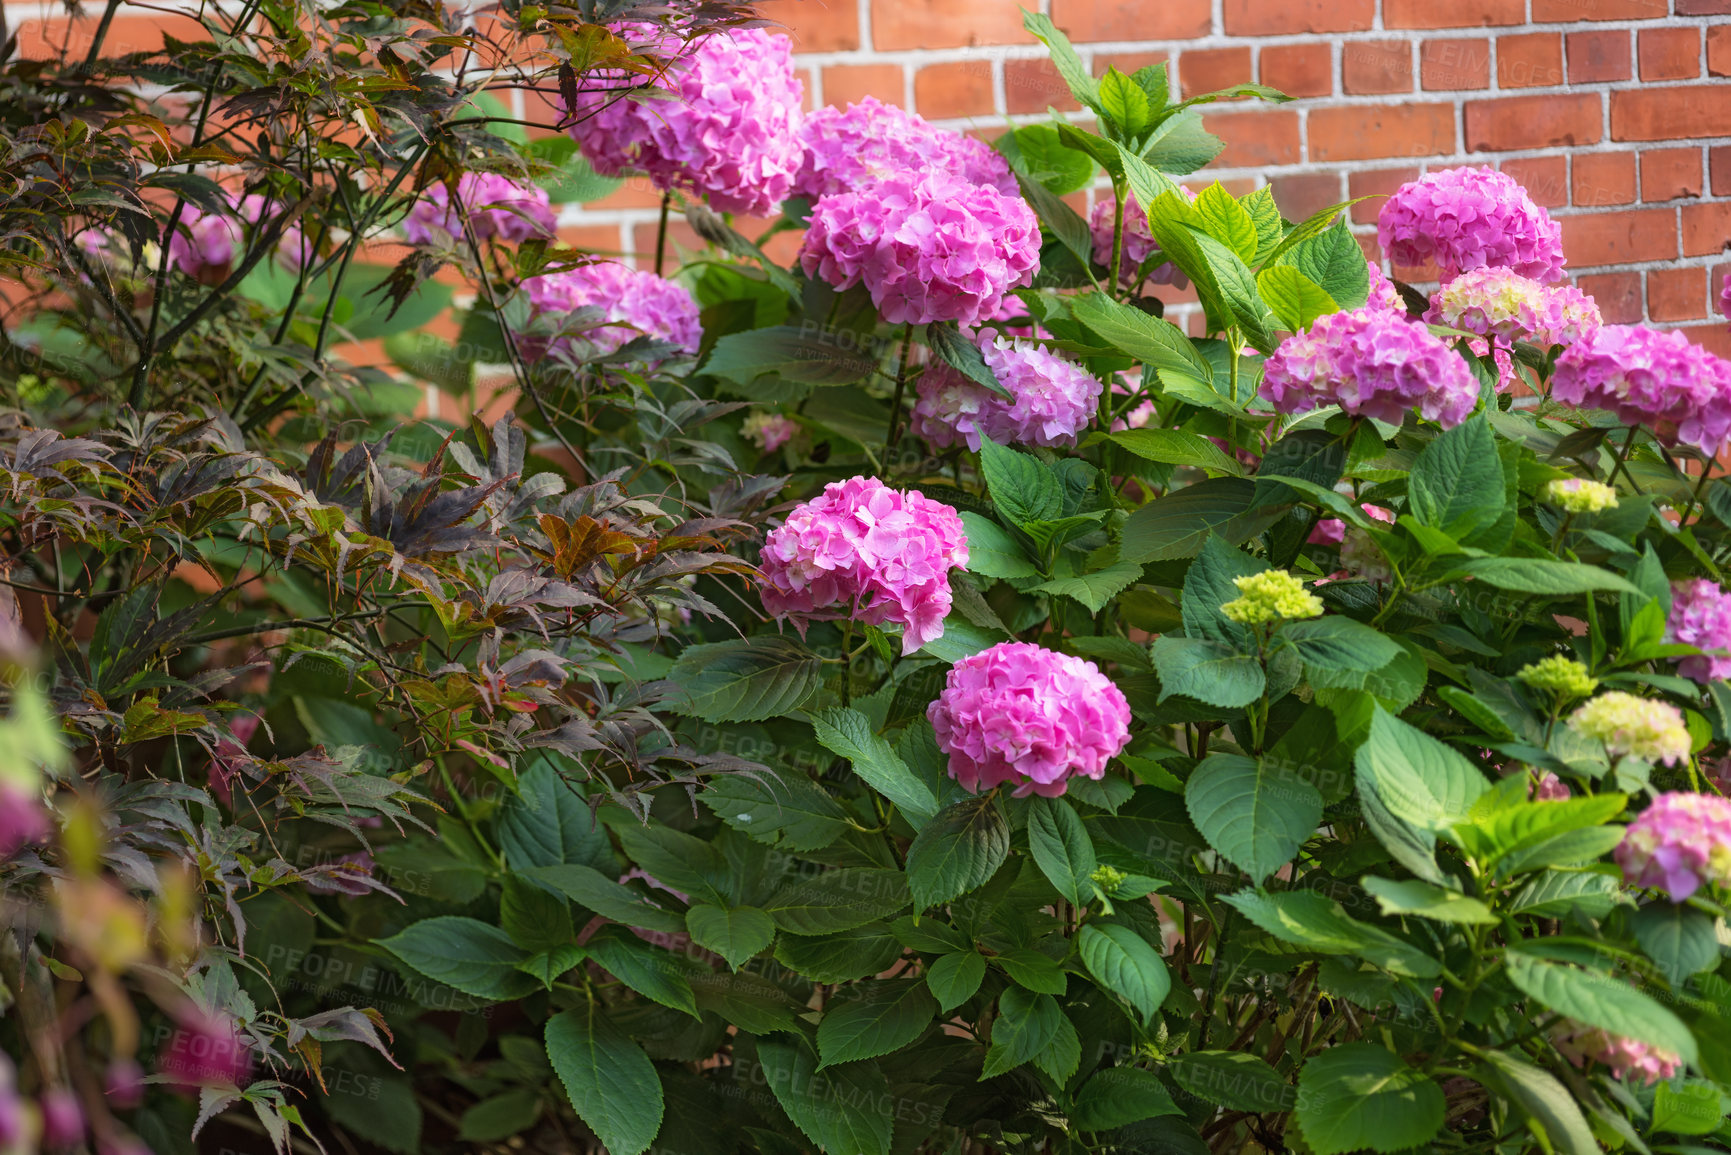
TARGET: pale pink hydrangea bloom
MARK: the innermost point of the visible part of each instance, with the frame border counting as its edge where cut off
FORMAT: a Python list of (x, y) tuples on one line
[(848, 149), (864, 551), (730, 136), (497, 206), (1661, 380), (1019, 713), (769, 431), (1138, 243), (928, 247), (1550, 788), (1678, 844), (1383, 296), (1373, 364), (634, 302), (1051, 399), (1470, 218), (1701, 617), (1506, 307), (1629, 1059)]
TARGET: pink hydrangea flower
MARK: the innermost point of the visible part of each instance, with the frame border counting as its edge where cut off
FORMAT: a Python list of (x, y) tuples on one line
[(864, 551), (846, 150), (1332, 530), (123, 1083), (769, 431), (1374, 364), (1701, 617), (293, 248), (1383, 295), (1505, 307), (1661, 380), (207, 1050), (497, 207), (1051, 399), (1632, 1060), (1678, 844), (928, 247), (1550, 788), (62, 1118), (1138, 243), (204, 243), (23, 820), (1470, 218), (731, 135), (631, 303), (1023, 714), (1725, 298)]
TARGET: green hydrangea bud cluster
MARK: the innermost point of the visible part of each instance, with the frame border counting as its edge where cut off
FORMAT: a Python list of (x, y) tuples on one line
[(1578, 495), (1271, 596), (1564, 677)]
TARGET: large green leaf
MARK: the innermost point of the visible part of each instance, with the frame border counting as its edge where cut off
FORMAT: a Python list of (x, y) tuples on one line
[(1233, 1079), (1533, 575), (1022, 489), (1134, 333), (1549, 1107), (962, 355), (1095, 589), (790, 353), (1681, 939), (849, 733), (1119, 1096), (1356, 1096), (644, 968), (1293, 297), (1124, 106), (547, 822), (1123, 963), (874, 1020), (744, 680), (474, 957), (612, 1084), (534, 917), (779, 808), (1082, 83), (1456, 483), (1176, 525), (1255, 812), (954, 978), (1601, 1001), (992, 551), (1211, 582), (840, 957), (1036, 151), (735, 933), (593, 890), (838, 1109), (957, 850), (1061, 847), (838, 900), (1176, 447), (1210, 672), (1332, 259), (1419, 779), (1316, 922), (1335, 643), (1426, 900)]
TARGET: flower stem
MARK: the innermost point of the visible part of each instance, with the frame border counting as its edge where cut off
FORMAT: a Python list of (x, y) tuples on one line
[(661, 232), (1112, 277), (894, 433)]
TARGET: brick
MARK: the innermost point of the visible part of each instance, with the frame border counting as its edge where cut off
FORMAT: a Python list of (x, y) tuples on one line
[(602, 239), (1704, 7), (1677, 294), (1719, 168), (1130, 63), (1533, 122), (1376, 67), (845, 84), (1620, 238), (962, 88), (1292, 17), (1670, 173), (1532, 60), (1714, 337), (1255, 139), (1679, 113), (903, 24), (1465, 14), (1706, 228), (1085, 20), (1546, 178), (1618, 296), (1451, 64), (1598, 57), (1604, 178), (1032, 86), (40, 40), (815, 25), (1301, 194), (1669, 53), (1299, 69), (1378, 184), (1211, 69), (1361, 133), (1719, 50), (1574, 11)]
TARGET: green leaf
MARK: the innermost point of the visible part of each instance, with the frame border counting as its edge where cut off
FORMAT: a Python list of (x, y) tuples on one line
[(955, 978), (1293, 297), (1554, 893), (612, 1084), (1176, 447), (1456, 484), (736, 933), (849, 733), (841, 957), (1124, 106), (1210, 672), (1147, 339), (1224, 219), (1035, 151), (956, 851), (1331, 258), (1027, 1024), (1119, 1096), (1233, 1079), (1316, 922), (1338, 643), (1211, 582), (535, 919), (1031, 969), (961, 639), (1123, 963), (1426, 900), (501, 1116), (1601, 1001), (546, 966), (1097, 589), (1082, 84), (643, 968), (1419, 779), (1358, 1095), (594, 891), (837, 1109), (1687, 1107), (1176, 525), (1061, 847), (880, 1017), (1549, 1107), (964, 357), (1681, 939), (1255, 812), (779, 808), (472, 956), (1022, 489), (547, 822), (789, 353), (838, 900), (744, 680), (1539, 576)]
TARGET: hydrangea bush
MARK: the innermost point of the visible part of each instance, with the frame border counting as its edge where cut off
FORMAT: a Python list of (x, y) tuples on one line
[(922, 698)]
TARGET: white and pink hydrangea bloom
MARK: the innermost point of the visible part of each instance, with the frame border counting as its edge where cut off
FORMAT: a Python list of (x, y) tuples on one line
[(1023, 715), (1679, 844), (631, 304), (845, 150), (1051, 400), (869, 553), (769, 431), (1505, 307), (1470, 218), (1371, 363)]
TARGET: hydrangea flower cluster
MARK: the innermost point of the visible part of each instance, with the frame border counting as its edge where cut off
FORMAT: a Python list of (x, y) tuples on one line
[(207, 1050), (1661, 380), (1332, 530), (1678, 844), (732, 136), (1372, 364), (1580, 495), (928, 246), (1503, 305), (1649, 730), (1629, 1059), (1270, 596), (1383, 296), (768, 431), (1051, 399), (1024, 714), (846, 150), (497, 206), (1701, 617), (864, 551), (203, 243), (1550, 788), (23, 819), (1470, 218), (1138, 244), (1561, 676), (631, 302)]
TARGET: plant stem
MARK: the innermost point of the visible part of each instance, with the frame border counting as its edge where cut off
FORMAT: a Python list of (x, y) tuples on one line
[(894, 433), (1112, 277), (661, 232)]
